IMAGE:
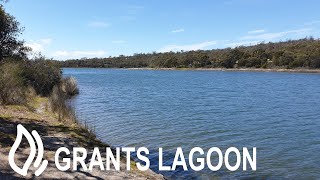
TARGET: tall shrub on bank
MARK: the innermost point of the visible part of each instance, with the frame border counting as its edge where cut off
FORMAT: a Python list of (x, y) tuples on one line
[(42, 75), (12, 88)]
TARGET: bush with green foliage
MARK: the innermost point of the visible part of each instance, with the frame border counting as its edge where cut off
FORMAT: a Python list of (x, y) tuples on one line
[(42, 75), (16, 77), (12, 88)]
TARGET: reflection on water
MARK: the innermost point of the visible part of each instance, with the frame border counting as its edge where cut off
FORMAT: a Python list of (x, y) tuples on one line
[(276, 112)]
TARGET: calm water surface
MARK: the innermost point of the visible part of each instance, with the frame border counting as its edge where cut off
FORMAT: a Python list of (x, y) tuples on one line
[(279, 113)]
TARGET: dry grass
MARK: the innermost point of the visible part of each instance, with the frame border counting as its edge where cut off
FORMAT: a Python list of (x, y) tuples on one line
[(58, 105), (69, 86)]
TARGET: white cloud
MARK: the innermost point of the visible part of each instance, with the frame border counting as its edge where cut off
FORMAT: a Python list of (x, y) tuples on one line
[(118, 42), (177, 30), (276, 35), (78, 54), (258, 31), (39, 45), (189, 47), (98, 24), (258, 36), (242, 43)]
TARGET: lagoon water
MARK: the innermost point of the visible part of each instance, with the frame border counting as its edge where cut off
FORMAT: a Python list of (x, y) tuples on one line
[(279, 113)]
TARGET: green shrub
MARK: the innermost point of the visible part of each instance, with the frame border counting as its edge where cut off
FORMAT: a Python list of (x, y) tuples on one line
[(12, 88), (42, 75), (250, 62), (315, 62), (253, 62), (296, 63)]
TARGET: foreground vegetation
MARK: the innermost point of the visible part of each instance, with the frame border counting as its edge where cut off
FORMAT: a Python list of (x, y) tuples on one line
[(303, 53), (36, 115), (23, 79)]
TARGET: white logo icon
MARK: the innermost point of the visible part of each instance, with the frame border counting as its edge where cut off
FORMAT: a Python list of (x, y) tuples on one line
[(24, 170)]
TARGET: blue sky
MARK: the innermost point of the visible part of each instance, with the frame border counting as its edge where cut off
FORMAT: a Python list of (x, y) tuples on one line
[(64, 29)]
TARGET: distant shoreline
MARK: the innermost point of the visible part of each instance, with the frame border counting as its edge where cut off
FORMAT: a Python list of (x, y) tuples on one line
[(211, 69), (235, 69)]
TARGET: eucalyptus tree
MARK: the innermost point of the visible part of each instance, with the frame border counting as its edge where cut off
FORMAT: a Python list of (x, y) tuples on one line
[(10, 29)]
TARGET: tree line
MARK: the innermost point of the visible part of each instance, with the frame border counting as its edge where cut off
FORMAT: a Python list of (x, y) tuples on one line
[(302, 53)]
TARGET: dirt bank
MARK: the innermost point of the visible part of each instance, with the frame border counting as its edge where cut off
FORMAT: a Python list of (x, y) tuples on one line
[(54, 134)]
